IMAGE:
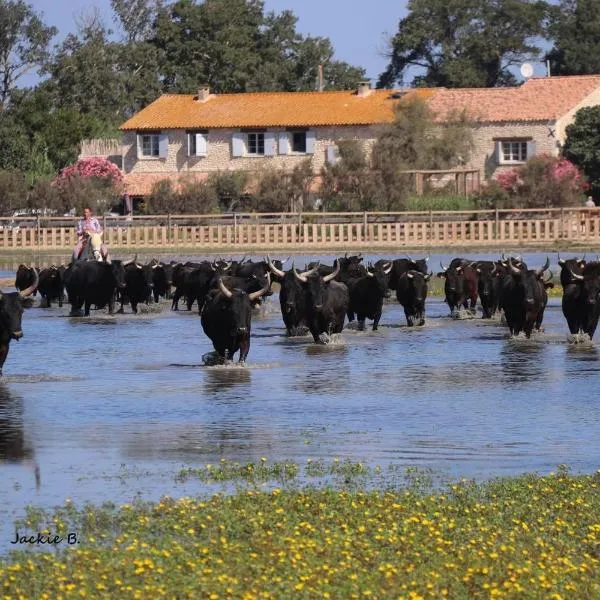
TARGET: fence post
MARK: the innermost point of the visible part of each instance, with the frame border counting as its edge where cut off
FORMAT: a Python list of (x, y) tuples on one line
[(365, 227), (497, 226), (37, 230), (562, 223), (170, 235), (300, 233), (234, 229), (430, 224)]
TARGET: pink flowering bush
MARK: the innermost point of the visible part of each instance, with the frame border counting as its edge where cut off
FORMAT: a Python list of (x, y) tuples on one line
[(93, 167), (544, 181), (94, 182)]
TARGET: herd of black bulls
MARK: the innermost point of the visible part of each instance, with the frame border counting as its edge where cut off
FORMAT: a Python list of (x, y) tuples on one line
[(317, 298)]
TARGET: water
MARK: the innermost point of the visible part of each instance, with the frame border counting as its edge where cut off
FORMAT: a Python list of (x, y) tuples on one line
[(111, 407)]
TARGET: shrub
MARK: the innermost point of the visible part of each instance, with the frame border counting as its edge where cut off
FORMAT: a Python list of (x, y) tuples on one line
[(196, 197), (96, 167), (544, 181), (13, 191), (162, 199)]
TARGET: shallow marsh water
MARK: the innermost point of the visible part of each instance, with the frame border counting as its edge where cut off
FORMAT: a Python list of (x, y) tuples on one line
[(111, 407)]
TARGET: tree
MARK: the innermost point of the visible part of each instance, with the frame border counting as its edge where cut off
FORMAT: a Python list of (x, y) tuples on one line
[(575, 28), (136, 17), (582, 145), (84, 74), (232, 46), (24, 41), (464, 43)]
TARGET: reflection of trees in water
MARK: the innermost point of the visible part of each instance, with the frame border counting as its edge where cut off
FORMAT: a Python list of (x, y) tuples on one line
[(14, 447), (220, 379), (522, 361)]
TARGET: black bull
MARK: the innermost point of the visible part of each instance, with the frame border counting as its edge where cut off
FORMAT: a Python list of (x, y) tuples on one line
[(411, 292), (581, 298), (292, 299), (367, 294), (11, 312), (94, 283), (523, 298), (227, 317), (327, 302)]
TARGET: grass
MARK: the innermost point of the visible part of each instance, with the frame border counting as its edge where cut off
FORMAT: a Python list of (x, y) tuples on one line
[(526, 537)]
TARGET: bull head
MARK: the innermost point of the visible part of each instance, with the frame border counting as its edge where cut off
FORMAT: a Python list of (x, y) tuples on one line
[(256, 295), (28, 290), (305, 274)]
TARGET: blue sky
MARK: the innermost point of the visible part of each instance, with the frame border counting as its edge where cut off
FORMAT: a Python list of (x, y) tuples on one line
[(357, 30)]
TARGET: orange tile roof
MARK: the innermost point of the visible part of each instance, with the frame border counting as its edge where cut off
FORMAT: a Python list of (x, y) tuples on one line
[(544, 98), (538, 99), (268, 109)]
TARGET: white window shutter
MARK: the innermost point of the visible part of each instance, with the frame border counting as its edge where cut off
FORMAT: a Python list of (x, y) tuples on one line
[(333, 154), (499, 155), (284, 143), (237, 144), (201, 144), (530, 149), (189, 143), (139, 145), (310, 142), (269, 143), (163, 145)]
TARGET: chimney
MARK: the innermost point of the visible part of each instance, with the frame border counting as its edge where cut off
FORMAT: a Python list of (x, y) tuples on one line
[(364, 89), (320, 80), (203, 93)]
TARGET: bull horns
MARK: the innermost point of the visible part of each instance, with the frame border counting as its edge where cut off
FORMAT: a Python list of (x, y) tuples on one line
[(224, 290), (576, 276), (443, 267), (128, 262), (256, 295), (273, 268), (544, 267), (388, 269), (29, 290), (333, 275)]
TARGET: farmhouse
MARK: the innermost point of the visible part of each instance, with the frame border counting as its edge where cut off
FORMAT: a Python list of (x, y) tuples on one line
[(192, 135)]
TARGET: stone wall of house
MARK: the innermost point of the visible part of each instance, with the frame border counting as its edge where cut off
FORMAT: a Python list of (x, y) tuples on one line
[(219, 154), (483, 156)]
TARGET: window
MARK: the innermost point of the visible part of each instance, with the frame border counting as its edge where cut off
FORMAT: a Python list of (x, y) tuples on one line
[(197, 143), (299, 141), (514, 151), (149, 144), (152, 144), (256, 144)]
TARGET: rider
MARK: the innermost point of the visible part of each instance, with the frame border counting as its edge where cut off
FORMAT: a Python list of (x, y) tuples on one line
[(89, 225)]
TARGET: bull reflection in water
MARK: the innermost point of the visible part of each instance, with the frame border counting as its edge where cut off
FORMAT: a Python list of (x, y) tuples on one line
[(14, 448), (522, 362), (219, 379)]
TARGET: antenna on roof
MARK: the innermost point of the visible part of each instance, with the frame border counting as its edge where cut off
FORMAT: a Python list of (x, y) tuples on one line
[(526, 70)]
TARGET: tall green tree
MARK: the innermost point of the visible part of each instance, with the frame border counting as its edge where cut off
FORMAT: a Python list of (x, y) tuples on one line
[(24, 44), (575, 28), (232, 46), (582, 145), (464, 43), (84, 76)]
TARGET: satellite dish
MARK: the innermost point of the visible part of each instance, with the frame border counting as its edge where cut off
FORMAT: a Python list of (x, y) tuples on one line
[(526, 70)]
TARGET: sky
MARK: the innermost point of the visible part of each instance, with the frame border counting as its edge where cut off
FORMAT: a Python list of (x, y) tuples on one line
[(358, 31)]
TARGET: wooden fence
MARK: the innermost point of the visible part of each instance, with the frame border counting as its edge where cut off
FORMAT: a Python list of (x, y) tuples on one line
[(315, 230)]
